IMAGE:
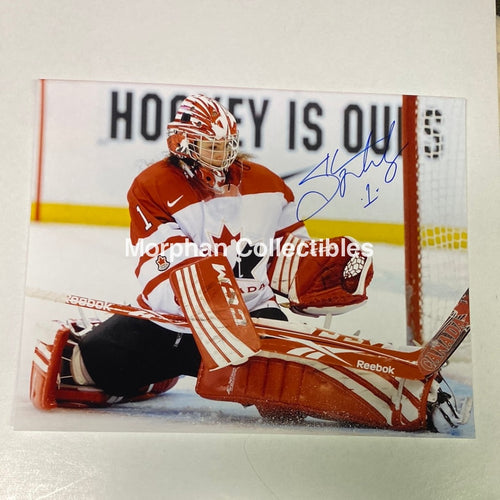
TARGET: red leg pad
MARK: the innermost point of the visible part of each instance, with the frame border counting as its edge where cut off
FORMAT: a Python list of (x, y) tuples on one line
[(284, 388), (45, 371), (47, 392)]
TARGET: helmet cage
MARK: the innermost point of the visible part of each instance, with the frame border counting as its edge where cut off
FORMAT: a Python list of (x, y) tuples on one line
[(216, 154)]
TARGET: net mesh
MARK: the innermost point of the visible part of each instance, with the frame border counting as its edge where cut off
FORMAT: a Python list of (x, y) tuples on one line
[(442, 208)]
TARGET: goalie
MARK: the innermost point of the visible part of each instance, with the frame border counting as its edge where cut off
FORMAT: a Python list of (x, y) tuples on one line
[(201, 218)]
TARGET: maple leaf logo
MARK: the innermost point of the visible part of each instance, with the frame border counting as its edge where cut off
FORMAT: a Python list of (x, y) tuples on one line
[(225, 237), (162, 263), (246, 259)]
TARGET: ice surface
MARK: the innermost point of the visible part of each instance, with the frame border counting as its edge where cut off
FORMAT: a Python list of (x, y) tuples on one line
[(92, 261)]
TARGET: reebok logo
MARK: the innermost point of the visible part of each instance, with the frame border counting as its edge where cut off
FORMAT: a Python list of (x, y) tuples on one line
[(374, 367), (75, 300)]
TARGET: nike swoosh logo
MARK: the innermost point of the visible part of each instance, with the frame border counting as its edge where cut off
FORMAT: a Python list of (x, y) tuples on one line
[(170, 204)]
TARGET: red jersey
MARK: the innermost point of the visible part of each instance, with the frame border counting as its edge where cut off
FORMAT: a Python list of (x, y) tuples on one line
[(175, 217)]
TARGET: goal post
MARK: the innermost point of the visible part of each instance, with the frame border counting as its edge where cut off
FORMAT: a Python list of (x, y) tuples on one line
[(435, 210)]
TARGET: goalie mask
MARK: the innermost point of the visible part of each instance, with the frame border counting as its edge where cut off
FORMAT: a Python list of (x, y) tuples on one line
[(206, 133)]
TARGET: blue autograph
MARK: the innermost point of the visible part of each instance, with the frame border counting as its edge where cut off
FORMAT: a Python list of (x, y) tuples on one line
[(339, 175)]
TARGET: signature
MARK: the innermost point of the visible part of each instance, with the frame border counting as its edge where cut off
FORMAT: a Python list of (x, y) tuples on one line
[(338, 176)]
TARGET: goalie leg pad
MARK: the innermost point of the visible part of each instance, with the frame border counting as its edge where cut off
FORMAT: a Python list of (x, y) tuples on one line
[(293, 389), (45, 371), (48, 389)]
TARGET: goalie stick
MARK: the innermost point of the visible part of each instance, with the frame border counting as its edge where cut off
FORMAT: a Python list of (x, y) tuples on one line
[(414, 363), (344, 350), (447, 339), (105, 306)]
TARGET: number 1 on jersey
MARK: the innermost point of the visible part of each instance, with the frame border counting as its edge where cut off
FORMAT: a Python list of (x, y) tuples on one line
[(147, 224)]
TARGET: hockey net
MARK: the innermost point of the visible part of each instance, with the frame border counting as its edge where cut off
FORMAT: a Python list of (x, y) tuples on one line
[(435, 211)]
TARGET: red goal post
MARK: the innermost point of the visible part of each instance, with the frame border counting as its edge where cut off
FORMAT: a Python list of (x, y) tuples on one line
[(435, 210)]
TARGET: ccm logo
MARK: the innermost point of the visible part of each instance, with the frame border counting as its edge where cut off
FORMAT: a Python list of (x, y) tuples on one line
[(230, 295), (375, 367)]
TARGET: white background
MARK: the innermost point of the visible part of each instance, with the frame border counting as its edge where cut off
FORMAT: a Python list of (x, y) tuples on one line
[(83, 165), (434, 48)]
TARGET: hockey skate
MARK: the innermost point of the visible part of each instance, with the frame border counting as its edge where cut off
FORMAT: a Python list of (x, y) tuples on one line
[(52, 382), (445, 412)]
